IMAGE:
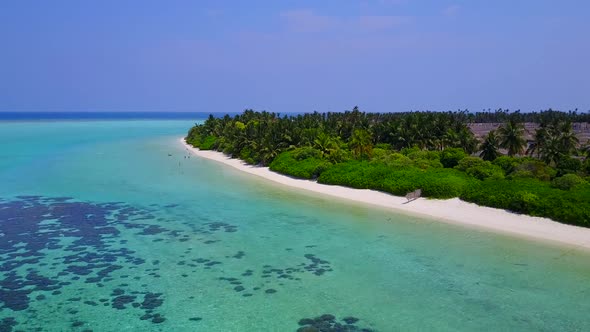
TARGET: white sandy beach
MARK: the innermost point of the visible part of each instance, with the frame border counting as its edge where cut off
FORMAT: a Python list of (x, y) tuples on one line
[(453, 210)]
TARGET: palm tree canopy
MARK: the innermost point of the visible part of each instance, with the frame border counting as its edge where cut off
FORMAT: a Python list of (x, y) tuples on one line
[(490, 146), (361, 143), (512, 137)]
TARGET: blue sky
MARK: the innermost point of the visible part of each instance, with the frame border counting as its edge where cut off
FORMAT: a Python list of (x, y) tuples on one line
[(294, 56)]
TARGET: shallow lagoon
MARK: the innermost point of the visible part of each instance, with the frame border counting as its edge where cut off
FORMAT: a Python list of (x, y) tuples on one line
[(98, 221)]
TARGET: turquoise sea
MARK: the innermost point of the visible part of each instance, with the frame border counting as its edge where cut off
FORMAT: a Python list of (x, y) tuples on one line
[(108, 225)]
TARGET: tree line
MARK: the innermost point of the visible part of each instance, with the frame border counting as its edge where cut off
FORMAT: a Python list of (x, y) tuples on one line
[(501, 115), (433, 151)]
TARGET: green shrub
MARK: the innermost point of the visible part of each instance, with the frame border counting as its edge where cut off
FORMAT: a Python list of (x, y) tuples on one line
[(407, 151), (383, 146), (522, 174), (393, 160), (567, 165), (425, 159), (567, 181), (528, 167), (437, 183), (525, 202), (469, 162), (486, 172), (355, 174), (203, 143), (479, 168), (424, 154), (208, 143), (305, 153), (436, 164), (450, 157), (444, 183), (292, 163), (379, 153), (194, 141), (534, 197), (507, 163), (247, 155), (193, 135), (427, 163)]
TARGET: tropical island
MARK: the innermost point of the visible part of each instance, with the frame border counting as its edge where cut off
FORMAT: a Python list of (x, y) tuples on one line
[(529, 163)]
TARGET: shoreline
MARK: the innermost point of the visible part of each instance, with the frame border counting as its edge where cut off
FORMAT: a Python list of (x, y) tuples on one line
[(454, 211)]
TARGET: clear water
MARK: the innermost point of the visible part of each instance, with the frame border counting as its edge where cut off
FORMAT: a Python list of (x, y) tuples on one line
[(145, 241)]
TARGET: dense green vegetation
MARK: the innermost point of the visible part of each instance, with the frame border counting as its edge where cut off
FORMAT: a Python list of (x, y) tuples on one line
[(534, 197), (501, 115), (436, 152), (305, 163), (434, 182)]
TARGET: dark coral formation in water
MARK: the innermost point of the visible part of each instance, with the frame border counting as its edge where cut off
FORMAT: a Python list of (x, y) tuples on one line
[(50, 247), (216, 226), (328, 323), (83, 232), (81, 240), (7, 324)]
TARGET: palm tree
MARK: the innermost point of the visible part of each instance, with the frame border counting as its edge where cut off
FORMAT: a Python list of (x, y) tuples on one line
[(308, 135), (399, 136), (567, 137), (553, 141), (450, 139), (489, 147), (512, 137), (328, 145), (541, 138), (550, 152), (467, 141), (361, 143)]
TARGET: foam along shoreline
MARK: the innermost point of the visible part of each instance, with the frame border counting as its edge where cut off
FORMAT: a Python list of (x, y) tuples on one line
[(453, 210)]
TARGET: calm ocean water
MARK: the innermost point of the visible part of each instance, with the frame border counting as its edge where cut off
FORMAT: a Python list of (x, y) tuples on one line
[(110, 226)]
